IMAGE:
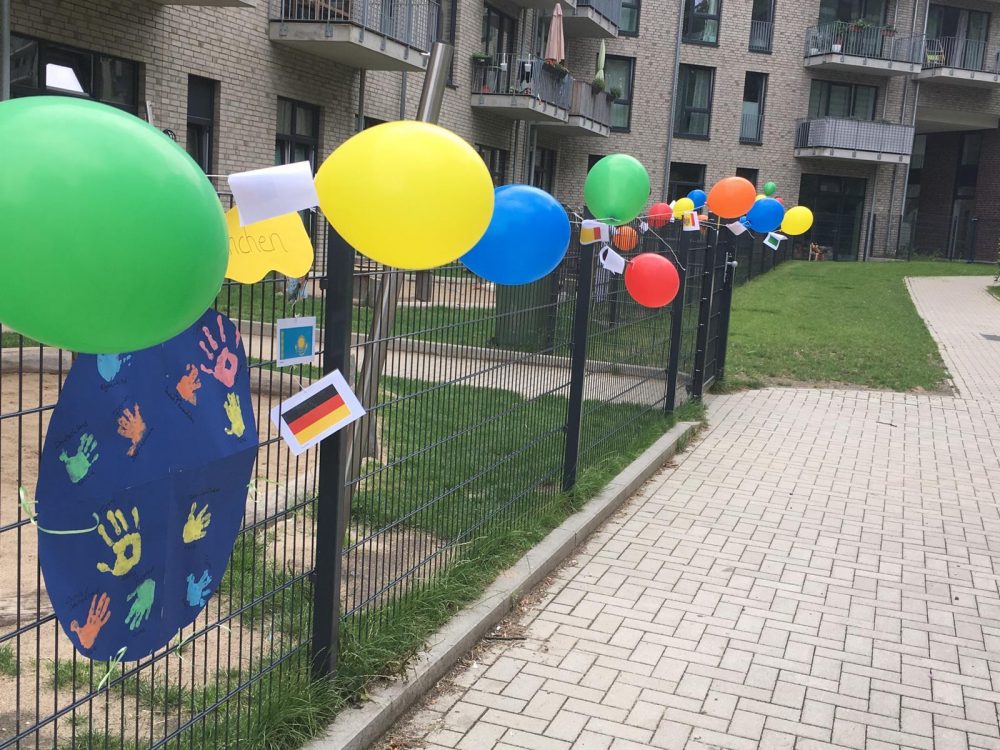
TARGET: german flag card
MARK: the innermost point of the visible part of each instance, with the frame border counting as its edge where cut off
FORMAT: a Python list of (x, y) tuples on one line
[(320, 410)]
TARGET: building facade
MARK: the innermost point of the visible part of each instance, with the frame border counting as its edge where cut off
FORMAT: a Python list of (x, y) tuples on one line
[(882, 116)]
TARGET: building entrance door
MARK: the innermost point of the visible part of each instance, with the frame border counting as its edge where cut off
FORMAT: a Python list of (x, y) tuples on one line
[(838, 205)]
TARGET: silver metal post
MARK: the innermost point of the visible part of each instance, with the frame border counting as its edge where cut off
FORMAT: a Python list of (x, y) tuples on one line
[(4, 50), (364, 438)]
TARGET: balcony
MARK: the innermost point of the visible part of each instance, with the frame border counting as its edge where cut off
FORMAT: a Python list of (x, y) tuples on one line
[(521, 88), (752, 129), (589, 112), (963, 62), (853, 140), (366, 34), (211, 3), (593, 19), (761, 35), (873, 50)]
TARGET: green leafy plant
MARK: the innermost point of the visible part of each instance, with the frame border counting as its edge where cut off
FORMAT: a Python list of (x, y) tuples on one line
[(616, 93), (598, 84)]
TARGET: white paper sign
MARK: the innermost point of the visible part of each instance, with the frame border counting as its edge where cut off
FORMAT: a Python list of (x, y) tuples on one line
[(266, 193), (736, 228), (612, 260)]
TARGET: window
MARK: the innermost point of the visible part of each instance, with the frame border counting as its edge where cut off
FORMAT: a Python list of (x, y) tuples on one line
[(496, 162), (748, 174), (761, 26), (297, 133), (446, 31), (544, 175), (850, 100), (40, 67), (592, 160), (701, 21), (499, 32), (752, 122), (201, 121), (542, 27), (628, 23), (618, 74), (958, 36), (872, 11), (684, 178), (694, 115), (371, 122), (968, 165)]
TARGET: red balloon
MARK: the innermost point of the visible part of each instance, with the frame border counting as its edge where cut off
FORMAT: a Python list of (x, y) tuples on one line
[(781, 201), (731, 197), (652, 280), (660, 214)]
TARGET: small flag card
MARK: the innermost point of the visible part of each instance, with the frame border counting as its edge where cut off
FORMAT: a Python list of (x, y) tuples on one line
[(320, 410), (691, 222), (594, 231), (611, 260), (773, 239), (736, 227), (296, 341), (643, 227)]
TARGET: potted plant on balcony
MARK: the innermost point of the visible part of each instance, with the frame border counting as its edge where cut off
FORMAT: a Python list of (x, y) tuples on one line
[(860, 25), (598, 83), (480, 57), (557, 67), (839, 32), (615, 93), (889, 30)]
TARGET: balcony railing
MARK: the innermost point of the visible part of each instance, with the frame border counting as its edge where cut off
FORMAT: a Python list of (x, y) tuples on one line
[(589, 103), (761, 34), (871, 42), (522, 76), (409, 22), (854, 135), (965, 54), (752, 129), (610, 9)]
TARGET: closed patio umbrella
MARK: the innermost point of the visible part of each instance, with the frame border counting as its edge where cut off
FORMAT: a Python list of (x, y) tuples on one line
[(599, 75), (555, 45)]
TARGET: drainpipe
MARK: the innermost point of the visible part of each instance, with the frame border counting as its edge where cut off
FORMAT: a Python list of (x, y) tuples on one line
[(402, 98), (913, 115), (673, 98), (4, 50), (362, 81)]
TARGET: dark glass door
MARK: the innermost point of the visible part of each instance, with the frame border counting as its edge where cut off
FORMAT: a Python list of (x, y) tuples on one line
[(838, 205)]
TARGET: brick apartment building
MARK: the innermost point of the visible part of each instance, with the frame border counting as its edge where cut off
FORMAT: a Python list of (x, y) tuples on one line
[(882, 116)]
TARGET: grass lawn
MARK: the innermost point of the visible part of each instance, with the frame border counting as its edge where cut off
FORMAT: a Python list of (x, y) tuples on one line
[(850, 323), (995, 291)]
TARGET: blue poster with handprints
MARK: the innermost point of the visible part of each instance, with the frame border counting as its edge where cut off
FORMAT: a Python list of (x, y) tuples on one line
[(142, 485)]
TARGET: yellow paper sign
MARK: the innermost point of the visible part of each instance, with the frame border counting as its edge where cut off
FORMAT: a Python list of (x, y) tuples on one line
[(279, 244)]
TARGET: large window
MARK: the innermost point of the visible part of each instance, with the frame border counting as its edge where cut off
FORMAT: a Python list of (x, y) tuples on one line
[(968, 165), (748, 173), (544, 172), (684, 178), (957, 36), (761, 25), (499, 32), (619, 73), (496, 162), (849, 100), (693, 112), (872, 11), (297, 134), (628, 23), (701, 21), (201, 121), (40, 67), (752, 122)]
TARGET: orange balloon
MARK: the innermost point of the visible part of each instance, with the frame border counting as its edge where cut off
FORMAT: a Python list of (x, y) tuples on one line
[(702, 217), (731, 197), (626, 238), (660, 214)]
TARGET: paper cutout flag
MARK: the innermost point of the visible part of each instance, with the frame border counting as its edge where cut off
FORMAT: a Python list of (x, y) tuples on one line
[(273, 191), (594, 231), (691, 222), (279, 244), (296, 341), (155, 449), (773, 239), (320, 410), (612, 261)]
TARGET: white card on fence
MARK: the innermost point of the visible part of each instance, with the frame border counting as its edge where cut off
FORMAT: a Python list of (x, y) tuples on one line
[(274, 191), (612, 260), (736, 228)]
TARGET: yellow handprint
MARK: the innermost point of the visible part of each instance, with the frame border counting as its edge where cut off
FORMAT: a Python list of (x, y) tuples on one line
[(195, 527), (129, 542), (236, 425)]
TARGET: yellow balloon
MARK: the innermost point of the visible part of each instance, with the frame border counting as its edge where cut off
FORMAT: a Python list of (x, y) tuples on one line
[(760, 196), (797, 220), (683, 206), (407, 194)]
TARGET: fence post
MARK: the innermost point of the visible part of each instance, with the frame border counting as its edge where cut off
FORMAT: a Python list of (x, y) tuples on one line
[(704, 319), (332, 495), (677, 323), (973, 225), (750, 259), (729, 280), (581, 315)]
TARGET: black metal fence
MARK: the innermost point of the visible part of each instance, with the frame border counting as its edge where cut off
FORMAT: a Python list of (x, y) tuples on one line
[(491, 401)]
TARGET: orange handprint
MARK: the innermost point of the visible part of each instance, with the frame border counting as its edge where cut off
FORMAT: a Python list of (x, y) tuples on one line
[(226, 362), (131, 426), (188, 384), (99, 614)]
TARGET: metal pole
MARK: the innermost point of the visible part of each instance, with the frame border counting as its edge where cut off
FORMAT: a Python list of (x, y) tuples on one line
[(4, 50), (704, 320), (670, 117), (729, 281), (574, 415), (677, 323), (387, 296)]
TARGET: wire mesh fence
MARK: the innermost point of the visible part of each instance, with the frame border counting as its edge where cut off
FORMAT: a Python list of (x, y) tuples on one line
[(490, 402)]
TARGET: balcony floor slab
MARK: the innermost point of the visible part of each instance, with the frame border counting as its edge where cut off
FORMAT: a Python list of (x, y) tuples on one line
[(520, 107), (348, 44), (859, 64)]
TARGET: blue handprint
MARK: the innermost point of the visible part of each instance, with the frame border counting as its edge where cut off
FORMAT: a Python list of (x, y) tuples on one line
[(197, 592), (109, 365)]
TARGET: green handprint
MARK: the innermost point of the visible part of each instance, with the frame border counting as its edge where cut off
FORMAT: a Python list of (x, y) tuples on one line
[(236, 424), (78, 465), (143, 596)]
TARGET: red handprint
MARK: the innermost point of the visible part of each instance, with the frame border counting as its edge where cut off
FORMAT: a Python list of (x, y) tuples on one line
[(99, 614), (225, 361), (188, 384)]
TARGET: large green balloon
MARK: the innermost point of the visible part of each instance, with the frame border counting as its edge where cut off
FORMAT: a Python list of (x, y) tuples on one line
[(111, 237), (616, 189)]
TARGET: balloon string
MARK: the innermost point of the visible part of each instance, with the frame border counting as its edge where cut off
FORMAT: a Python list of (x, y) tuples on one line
[(113, 665), (25, 503)]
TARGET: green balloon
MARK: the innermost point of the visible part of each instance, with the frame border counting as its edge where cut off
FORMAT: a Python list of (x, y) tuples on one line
[(111, 237), (617, 189), (770, 188)]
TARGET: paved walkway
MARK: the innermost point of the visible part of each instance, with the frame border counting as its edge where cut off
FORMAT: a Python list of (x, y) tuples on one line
[(820, 571)]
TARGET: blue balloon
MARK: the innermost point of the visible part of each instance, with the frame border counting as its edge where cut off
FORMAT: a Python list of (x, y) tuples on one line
[(698, 197), (526, 239), (766, 215)]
